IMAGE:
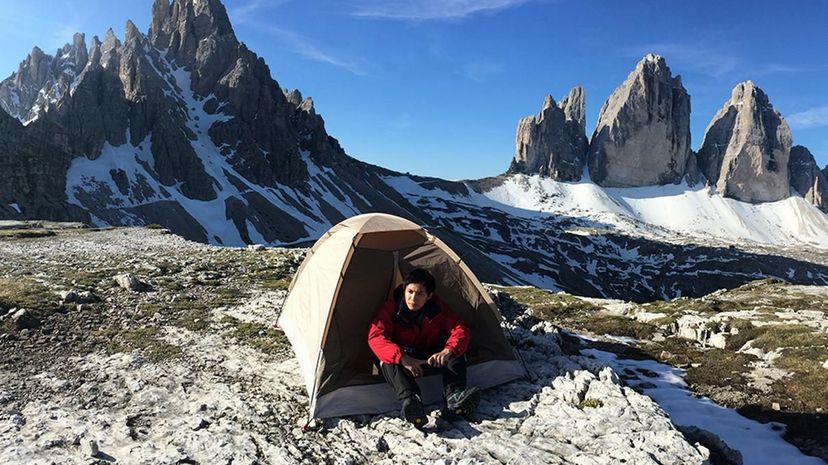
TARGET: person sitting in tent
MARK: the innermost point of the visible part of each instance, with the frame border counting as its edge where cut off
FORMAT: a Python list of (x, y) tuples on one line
[(414, 330)]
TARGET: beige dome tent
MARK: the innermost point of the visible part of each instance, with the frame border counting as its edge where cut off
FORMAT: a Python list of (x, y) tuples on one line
[(350, 271)]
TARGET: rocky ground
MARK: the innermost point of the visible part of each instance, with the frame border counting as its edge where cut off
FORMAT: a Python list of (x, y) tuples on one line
[(136, 346), (761, 348)]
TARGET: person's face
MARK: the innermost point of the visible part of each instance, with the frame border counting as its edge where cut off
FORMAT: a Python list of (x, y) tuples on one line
[(416, 296)]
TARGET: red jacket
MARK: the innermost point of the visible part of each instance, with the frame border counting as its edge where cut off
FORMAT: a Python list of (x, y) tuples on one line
[(391, 334)]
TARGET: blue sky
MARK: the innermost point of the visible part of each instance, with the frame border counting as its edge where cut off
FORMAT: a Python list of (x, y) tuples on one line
[(436, 87)]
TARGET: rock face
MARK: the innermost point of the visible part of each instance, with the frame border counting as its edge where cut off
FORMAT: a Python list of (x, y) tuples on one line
[(746, 148), (553, 143), (42, 81), (643, 132), (807, 179)]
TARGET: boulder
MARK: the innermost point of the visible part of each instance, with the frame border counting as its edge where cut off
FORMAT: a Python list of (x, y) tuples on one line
[(24, 320), (553, 143), (746, 148), (131, 282), (643, 132)]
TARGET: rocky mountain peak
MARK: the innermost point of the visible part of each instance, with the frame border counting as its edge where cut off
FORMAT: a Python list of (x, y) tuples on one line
[(643, 132), (294, 97), (131, 32), (807, 178), (747, 147), (553, 142), (190, 30), (75, 55)]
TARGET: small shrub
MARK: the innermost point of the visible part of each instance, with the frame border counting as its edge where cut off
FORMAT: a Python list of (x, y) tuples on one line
[(590, 403)]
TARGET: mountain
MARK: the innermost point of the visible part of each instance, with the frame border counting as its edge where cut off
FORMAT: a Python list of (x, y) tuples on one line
[(807, 179), (168, 127), (746, 148), (185, 127), (643, 132), (554, 142)]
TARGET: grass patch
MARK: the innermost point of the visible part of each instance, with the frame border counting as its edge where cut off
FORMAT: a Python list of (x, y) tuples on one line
[(618, 326), (26, 233), (90, 279), (29, 294), (708, 366), (771, 337), (548, 305), (262, 337), (147, 340), (590, 403), (154, 226), (195, 319), (275, 284)]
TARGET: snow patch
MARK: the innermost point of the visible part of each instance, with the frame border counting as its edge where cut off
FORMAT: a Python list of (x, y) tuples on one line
[(760, 444)]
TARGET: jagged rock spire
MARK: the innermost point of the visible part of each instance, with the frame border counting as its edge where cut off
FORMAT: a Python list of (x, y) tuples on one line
[(198, 36), (643, 132), (807, 178), (553, 143), (746, 148)]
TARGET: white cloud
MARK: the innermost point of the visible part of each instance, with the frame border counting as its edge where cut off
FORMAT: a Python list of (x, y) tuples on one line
[(429, 9), (244, 12), (810, 118), (776, 68), (302, 46)]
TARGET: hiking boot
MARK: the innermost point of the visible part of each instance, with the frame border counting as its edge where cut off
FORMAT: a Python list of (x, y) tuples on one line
[(412, 411), (463, 402)]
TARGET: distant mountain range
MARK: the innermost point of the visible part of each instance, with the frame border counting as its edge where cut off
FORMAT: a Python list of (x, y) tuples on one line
[(185, 127)]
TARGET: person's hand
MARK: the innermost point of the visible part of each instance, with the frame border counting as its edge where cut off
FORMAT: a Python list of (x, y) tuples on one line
[(414, 365), (440, 359)]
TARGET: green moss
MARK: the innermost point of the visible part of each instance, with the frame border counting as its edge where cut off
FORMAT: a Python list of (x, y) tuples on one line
[(89, 279), (146, 339), (704, 366), (770, 337), (154, 226), (29, 294), (590, 403), (618, 326), (25, 233), (264, 338), (196, 318)]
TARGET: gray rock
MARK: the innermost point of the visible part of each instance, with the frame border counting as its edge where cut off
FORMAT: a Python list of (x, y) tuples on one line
[(807, 179), (553, 143), (89, 448), (131, 282), (746, 148), (256, 247), (78, 297), (643, 132), (24, 320), (720, 452)]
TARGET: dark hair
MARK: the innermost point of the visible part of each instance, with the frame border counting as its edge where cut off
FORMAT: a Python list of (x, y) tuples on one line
[(420, 276)]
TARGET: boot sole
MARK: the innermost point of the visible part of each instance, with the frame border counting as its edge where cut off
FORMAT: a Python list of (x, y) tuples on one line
[(468, 405), (414, 414)]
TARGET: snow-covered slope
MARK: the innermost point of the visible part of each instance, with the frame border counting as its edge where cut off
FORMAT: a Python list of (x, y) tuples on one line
[(696, 211), (635, 244)]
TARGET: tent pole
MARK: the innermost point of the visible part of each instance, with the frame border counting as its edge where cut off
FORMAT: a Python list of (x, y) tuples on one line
[(512, 340)]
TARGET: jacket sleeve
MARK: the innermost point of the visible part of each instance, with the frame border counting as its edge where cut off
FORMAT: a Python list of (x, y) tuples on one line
[(459, 333), (379, 335)]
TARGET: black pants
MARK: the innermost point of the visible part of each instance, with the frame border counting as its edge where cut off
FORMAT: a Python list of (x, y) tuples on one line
[(404, 384)]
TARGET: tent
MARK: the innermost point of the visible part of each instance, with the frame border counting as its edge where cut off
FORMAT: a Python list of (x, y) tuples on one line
[(350, 271)]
